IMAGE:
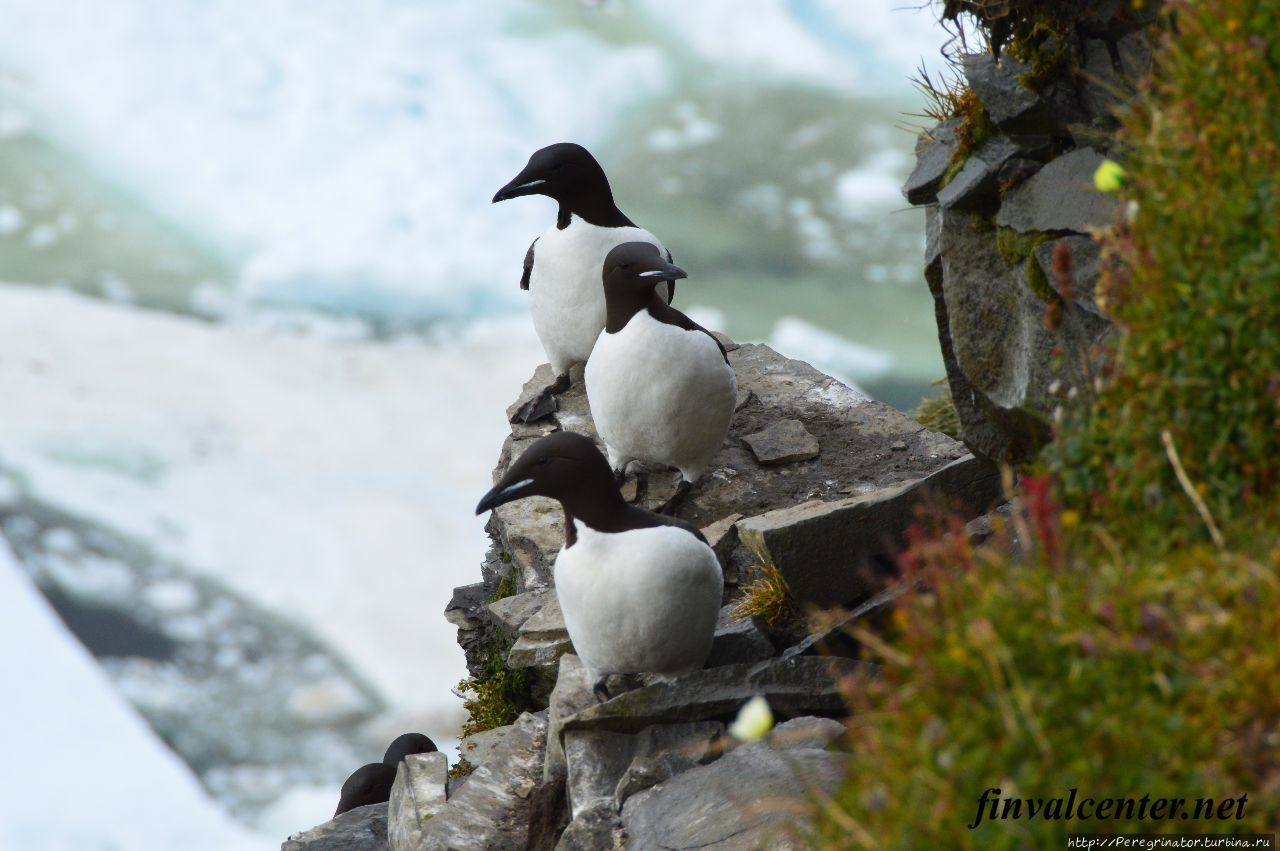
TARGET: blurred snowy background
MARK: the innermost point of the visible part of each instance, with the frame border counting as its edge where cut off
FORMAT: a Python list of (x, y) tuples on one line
[(260, 323)]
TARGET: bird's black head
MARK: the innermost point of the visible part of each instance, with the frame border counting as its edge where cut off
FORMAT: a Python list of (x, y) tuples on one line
[(564, 466), (565, 172), (631, 272), (368, 784), (406, 744)]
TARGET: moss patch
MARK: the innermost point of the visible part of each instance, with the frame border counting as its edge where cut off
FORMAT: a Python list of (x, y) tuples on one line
[(938, 412), (499, 693)]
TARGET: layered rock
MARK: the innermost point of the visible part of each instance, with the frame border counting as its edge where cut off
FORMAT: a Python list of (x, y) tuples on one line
[(999, 209)]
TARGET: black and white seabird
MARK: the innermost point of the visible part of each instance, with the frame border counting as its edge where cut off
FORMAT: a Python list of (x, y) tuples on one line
[(368, 784), (639, 591), (562, 267), (659, 385)]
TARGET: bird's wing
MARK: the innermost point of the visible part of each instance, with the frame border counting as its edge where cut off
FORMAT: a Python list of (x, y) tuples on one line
[(528, 266), (667, 313)]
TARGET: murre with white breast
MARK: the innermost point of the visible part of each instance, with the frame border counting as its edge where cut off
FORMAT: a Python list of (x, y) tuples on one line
[(639, 591), (562, 267), (659, 385)]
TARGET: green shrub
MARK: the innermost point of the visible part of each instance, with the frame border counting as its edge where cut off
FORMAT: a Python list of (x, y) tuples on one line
[(1193, 283)]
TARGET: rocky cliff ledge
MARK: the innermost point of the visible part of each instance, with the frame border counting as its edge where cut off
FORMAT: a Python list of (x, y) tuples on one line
[(816, 480)]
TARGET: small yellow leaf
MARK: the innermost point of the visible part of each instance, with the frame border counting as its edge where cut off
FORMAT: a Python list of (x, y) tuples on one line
[(1109, 177), (754, 720)]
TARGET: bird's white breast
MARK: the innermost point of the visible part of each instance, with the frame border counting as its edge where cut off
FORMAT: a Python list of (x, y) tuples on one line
[(640, 601), (661, 393), (566, 287)]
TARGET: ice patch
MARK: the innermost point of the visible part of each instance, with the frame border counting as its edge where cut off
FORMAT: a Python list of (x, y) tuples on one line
[(125, 791), (828, 352)]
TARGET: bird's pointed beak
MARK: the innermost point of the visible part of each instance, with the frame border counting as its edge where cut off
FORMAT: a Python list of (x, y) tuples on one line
[(668, 272), (502, 493), (521, 184)]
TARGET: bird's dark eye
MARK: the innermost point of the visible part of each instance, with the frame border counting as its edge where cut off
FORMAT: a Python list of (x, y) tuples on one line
[(543, 459), (557, 166), (625, 266)]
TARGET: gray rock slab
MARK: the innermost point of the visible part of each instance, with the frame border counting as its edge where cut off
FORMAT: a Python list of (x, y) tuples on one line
[(973, 187), (416, 796), (599, 828), (1008, 102), (828, 551), (996, 349), (810, 732), (478, 747), (571, 694), (747, 799), (361, 829), (853, 431), (1060, 196), (805, 685), (783, 442), (596, 760), (463, 608), (665, 750), (512, 612), (722, 536), (738, 640), (934, 151), (503, 806), (543, 637)]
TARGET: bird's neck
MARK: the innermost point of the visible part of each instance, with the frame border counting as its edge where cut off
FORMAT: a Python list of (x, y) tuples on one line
[(595, 207), (602, 512), (624, 302)]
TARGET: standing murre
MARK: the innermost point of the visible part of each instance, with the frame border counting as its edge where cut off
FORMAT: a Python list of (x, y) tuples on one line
[(562, 267), (659, 385), (640, 592)]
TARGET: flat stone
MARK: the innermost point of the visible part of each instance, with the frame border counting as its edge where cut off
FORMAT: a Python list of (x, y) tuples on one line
[(783, 442), (934, 150), (1007, 101), (479, 747), (1060, 196), (504, 805), (828, 552), (361, 829), (512, 612), (810, 732), (665, 750), (543, 377), (722, 536), (596, 761), (973, 187), (416, 796), (543, 637), (738, 640), (805, 685), (749, 798), (463, 609), (598, 828)]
